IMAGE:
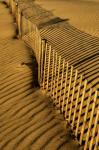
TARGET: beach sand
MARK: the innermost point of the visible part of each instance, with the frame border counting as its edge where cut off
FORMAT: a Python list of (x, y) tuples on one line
[(84, 15)]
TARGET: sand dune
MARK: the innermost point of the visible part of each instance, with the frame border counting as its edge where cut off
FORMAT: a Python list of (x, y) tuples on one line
[(82, 14), (27, 118)]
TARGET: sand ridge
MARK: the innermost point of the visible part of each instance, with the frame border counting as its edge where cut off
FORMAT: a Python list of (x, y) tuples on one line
[(82, 14)]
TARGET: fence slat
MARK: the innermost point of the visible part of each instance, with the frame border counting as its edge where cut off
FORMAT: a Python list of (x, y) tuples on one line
[(96, 147), (55, 75), (64, 96), (85, 116), (75, 79), (44, 75), (59, 63), (94, 129), (53, 67), (90, 122), (67, 100), (75, 109), (81, 105), (39, 59), (61, 83), (48, 72)]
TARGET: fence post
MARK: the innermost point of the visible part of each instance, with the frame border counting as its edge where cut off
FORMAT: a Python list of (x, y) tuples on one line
[(41, 60), (13, 7), (97, 141), (22, 26), (75, 79), (48, 72), (75, 109), (19, 22), (53, 65), (81, 105), (94, 129), (85, 116), (55, 75), (45, 65), (29, 27), (65, 88), (67, 100), (61, 82), (36, 42), (58, 77), (90, 122)]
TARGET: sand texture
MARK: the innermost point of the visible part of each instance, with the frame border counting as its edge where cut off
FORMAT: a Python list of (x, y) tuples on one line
[(27, 118), (82, 14)]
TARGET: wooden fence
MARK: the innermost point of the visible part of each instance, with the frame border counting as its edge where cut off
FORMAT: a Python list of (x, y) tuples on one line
[(69, 91)]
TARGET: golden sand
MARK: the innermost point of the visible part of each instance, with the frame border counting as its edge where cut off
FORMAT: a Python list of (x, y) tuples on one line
[(83, 15)]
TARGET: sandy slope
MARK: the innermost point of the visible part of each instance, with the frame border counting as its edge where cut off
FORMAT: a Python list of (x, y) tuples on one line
[(27, 119), (83, 15)]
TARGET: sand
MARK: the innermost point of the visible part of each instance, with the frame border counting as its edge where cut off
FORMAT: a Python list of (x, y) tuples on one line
[(28, 119), (84, 15)]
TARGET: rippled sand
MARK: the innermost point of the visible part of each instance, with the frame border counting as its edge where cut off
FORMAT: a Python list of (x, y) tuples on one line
[(82, 14)]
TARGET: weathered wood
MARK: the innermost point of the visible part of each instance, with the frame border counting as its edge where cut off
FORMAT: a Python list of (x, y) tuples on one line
[(44, 75), (81, 105), (65, 87), (61, 82), (48, 72), (75, 109), (73, 92), (19, 22), (59, 63), (39, 64), (94, 129), (67, 100), (85, 116), (54, 90), (53, 67), (96, 147)]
